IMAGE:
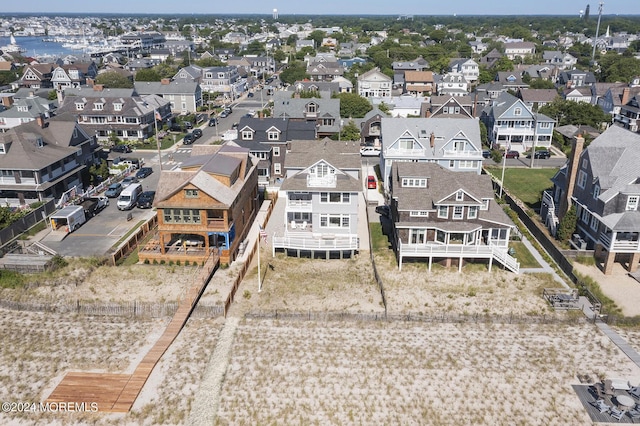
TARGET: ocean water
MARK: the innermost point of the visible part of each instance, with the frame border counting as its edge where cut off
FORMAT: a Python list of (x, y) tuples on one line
[(36, 47)]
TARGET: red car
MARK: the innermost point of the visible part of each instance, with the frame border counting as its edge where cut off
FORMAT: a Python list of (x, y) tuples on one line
[(371, 182), (512, 154)]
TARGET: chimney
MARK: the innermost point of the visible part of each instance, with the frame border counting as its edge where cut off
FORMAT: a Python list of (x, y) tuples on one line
[(572, 172), (98, 87), (432, 140), (296, 95), (90, 82), (40, 121), (165, 81), (625, 96), (428, 114), (32, 94)]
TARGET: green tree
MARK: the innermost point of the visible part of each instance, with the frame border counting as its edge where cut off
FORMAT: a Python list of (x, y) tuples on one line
[(317, 36), (52, 95), (349, 132), (483, 134), (567, 225), (296, 71), (255, 48), (615, 67), (503, 64), (113, 80), (540, 83), (353, 105), (96, 170), (209, 62), (438, 35), (576, 113), (147, 74)]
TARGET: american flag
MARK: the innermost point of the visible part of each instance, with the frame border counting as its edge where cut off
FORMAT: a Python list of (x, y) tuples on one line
[(263, 235)]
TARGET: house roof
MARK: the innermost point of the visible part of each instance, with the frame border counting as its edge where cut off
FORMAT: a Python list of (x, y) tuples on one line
[(538, 95), (344, 155), (441, 184), (418, 76), (159, 88)]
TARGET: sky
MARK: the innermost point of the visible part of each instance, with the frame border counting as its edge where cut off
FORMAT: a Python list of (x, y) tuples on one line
[(333, 7)]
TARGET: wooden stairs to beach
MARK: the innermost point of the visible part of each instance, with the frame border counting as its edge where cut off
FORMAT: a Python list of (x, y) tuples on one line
[(116, 393)]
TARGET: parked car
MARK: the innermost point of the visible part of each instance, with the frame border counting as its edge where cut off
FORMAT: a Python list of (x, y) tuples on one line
[(145, 200), (224, 114), (144, 172), (188, 139), (113, 190), (486, 153), (128, 181), (121, 148), (175, 127), (371, 182), (250, 95), (187, 124), (213, 122), (383, 210), (543, 154), (512, 154), (197, 133), (370, 151), (228, 109)]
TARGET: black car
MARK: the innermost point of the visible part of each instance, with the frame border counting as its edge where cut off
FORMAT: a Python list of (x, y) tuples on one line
[(121, 148), (486, 153), (188, 139), (144, 172), (543, 154), (145, 200), (213, 122), (383, 210), (250, 95), (197, 133), (175, 127)]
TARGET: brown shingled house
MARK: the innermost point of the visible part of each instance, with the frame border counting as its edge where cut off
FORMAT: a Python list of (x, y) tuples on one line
[(208, 204)]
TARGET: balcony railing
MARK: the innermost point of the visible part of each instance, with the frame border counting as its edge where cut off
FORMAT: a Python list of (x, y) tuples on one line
[(456, 153), (392, 152), (625, 246), (314, 241), (326, 181)]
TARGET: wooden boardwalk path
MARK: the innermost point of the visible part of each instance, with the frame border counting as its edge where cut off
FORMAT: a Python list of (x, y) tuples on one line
[(117, 392)]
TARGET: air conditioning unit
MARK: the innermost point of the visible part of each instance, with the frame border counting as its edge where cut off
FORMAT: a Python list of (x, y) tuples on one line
[(578, 242)]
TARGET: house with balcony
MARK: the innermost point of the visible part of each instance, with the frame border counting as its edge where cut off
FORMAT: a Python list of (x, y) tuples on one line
[(323, 111), (629, 115), (374, 84), (419, 83), (467, 67), (184, 96), (453, 143), (536, 98), (224, 80), (512, 125), (36, 76), (73, 75), (324, 70), (371, 128), (267, 139), (43, 159), (322, 196), (576, 78), (578, 94), (520, 49), (453, 84), (104, 113), (208, 204), (441, 215), (603, 182), (449, 107), (559, 60)]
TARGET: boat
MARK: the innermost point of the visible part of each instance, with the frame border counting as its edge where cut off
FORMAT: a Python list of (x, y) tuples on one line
[(13, 46)]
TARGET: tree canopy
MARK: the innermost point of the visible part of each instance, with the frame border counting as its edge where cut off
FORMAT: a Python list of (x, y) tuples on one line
[(353, 105), (147, 74), (576, 113), (113, 80), (296, 71)]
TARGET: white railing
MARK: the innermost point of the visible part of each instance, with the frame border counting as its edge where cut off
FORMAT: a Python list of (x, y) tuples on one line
[(298, 203), (390, 152), (551, 221), (618, 245), (455, 153), (327, 181), (497, 253), (318, 242)]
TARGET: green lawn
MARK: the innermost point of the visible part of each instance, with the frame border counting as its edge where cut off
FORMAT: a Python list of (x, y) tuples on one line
[(526, 184), (523, 255)]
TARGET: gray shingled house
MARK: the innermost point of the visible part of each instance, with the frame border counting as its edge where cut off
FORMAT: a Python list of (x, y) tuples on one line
[(603, 182), (439, 214), (324, 111)]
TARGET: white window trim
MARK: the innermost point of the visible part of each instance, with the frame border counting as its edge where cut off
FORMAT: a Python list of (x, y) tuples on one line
[(276, 151), (458, 216), (277, 168), (419, 213), (441, 210), (632, 202), (474, 210)]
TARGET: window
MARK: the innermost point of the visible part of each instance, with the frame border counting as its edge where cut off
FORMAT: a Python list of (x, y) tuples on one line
[(596, 192), (117, 107), (485, 204), (2, 149), (458, 212), (98, 106), (585, 216), (405, 144), (419, 213), (545, 125), (276, 168), (582, 179), (467, 164), (276, 151), (458, 146), (273, 136), (632, 202), (191, 193), (460, 195), (517, 111), (334, 221), (417, 236), (414, 183), (594, 223), (443, 212), (79, 106), (247, 135), (335, 197), (181, 216), (473, 212), (585, 163)]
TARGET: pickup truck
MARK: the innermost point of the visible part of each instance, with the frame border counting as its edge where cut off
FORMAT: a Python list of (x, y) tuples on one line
[(93, 205)]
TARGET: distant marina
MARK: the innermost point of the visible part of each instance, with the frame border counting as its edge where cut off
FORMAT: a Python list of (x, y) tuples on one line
[(36, 47)]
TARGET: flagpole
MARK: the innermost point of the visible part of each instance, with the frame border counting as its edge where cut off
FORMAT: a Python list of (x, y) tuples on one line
[(504, 163), (155, 120)]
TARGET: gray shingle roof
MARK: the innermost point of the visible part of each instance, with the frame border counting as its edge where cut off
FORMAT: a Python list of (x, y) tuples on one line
[(343, 155)]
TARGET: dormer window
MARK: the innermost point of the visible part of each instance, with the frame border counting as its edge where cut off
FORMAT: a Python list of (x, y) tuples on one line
[(632, 202), (485, 204), (79, 106), (98, 106), (273, 135), (459, 196), (117, 107), (39, 142), (3, 150), (247, 135), (312, 108), (191, 193)]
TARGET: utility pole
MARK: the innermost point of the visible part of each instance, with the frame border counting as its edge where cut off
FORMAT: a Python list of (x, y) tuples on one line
[(595, 41)]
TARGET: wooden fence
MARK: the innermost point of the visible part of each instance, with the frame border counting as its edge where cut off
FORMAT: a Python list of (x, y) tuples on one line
[(134, 239), (119, 309), (444, 317), (24, 223)]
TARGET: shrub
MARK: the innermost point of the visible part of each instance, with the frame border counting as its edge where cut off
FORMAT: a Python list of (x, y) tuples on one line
[(246, 294), (146, 261)]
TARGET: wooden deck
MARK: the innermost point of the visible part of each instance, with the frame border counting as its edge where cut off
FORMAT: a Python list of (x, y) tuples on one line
[(587, 398), (117, 392)]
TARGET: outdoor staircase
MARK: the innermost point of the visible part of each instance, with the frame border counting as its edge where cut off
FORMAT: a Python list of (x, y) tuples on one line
[(509, 262), (551, 220)]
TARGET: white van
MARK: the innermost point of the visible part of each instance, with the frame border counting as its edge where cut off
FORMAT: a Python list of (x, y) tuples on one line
[(129, 196)]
